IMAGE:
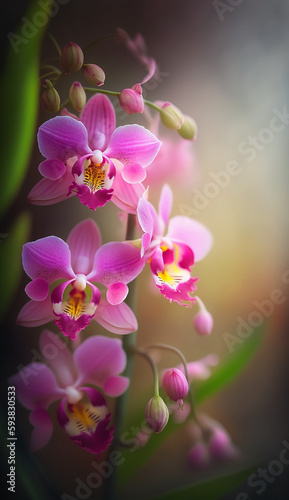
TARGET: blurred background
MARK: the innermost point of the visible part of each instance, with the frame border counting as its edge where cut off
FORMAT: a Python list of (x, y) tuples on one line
[(228, 67)]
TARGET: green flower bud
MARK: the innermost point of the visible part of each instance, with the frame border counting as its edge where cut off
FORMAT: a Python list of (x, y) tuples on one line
[(71, 58), (50, 100), (77, 96), (189, 129), (171, 116), (156, 414), (94, 74)]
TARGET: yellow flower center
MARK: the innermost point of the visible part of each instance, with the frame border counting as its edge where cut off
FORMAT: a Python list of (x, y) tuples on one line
[(74, 307), (94, 177), (84, 417)]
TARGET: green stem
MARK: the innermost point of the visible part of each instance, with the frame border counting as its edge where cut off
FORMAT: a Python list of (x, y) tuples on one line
[(101, 91), (55, 43), (129, 341), (154, 369), (159, 345)]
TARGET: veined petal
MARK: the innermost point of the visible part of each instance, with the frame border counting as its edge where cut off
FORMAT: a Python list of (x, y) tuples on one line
[(69, 326), (62, 137), (52, 169), (83, 242), (116, 262), (37, 289), (36, 313), (36, 386), (98, 116), (97, 359), (133, 144), (116, 319), (165, 203), (192, 233), (43, 429), (59, 358), (48, 192), (91, 199), (47, 258)]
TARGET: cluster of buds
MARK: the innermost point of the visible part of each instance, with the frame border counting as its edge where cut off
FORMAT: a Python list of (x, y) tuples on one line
[(71, 61)]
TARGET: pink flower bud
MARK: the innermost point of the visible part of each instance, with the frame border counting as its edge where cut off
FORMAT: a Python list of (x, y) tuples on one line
[(221, 446), (77, 96), (94, 74), (156, 414), (50, 100), (131, 100), (203, 321), (199, 456), (71, 58), (188, 129), (175, 384), (171, 116)]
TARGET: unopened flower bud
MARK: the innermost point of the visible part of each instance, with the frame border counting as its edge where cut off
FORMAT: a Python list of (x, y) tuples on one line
[(71, 58), (175, 385), (171, 116), (188, 129), (199, 456), (77, 96), (131, 100), (94, 74), (156, 414), (50, 100), (221, 446), (203, 321)]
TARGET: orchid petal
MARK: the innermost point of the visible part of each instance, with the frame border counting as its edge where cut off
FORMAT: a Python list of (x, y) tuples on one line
[(59, 358), (133, 144), (43, 429), (99, 358), (62, 137), (83, 242), (116, 319), (165, 203), (133, 173), (52, 169), (148, 220), (47, 258), (91, 199), (98, 116), (191, 233), (116, 293), (36, 313), (36, 386), (125, 196), (115, 386), (116, 262), (48, 192), (37, 289)]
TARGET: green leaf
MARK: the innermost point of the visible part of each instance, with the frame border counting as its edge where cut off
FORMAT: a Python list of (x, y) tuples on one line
[(232, 366), (10, 257), (223, 375), (213, 489), (19, 89)]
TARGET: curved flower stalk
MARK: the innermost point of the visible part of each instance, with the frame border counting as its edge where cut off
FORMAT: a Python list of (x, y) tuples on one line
[(79, 155), (83, 412), (172, 256), (78, 264)]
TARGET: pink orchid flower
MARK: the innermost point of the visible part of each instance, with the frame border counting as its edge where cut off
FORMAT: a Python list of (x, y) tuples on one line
[(172, 256), (83, 412), (78, 264), (79, 155)]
